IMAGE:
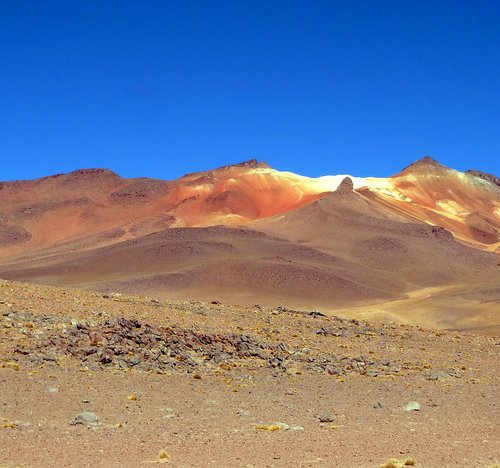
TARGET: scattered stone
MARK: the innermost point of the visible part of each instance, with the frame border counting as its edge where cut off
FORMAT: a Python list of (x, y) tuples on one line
[(87, 418), (378, 405), (316, 314), (326, 417), (436, 375), (168, 413), (412, 406), (123, 344)]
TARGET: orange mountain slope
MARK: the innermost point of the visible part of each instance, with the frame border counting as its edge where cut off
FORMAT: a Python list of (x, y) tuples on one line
[(100, 205), (466, 204), (97, 207)]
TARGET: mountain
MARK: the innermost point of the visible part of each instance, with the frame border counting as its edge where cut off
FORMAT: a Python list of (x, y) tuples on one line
[(418, 246), (466, 204)]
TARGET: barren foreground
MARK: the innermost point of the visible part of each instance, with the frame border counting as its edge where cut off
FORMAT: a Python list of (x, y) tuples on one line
[(197, 384)]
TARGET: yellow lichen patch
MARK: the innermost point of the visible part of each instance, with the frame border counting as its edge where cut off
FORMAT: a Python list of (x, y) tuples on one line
[(268, 427), (6, 424), (11, 365), (163, 455), (395, 463)]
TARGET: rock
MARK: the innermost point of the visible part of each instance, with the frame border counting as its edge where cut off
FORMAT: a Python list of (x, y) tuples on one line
[(345, 187), (168, 413), (87, 418), (52, 389), (412, 406), (435, 375), (378, 405), (326, 417), (316, 314)]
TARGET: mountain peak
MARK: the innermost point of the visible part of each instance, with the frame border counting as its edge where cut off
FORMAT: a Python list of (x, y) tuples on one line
[(250, 164), (423, 163), (95, 171)]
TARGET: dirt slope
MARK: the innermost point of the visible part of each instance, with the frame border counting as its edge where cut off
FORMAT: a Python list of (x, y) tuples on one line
[(237, 265)]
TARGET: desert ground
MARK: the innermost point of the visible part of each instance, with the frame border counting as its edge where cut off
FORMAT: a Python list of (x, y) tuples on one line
[(111, 380)]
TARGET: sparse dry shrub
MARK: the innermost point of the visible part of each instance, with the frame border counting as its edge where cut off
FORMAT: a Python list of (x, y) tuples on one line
[(395, 463), (391, 463)]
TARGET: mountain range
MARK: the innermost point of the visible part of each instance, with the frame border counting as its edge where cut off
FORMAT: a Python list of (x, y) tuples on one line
[(420, 246)]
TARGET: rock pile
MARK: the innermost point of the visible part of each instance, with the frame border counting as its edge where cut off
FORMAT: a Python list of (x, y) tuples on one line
[(127, 343)]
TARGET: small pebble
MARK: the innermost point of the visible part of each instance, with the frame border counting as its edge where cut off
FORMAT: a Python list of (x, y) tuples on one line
[(412, 406)]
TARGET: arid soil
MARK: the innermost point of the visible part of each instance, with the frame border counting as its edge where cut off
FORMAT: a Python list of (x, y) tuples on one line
[(208, 384)]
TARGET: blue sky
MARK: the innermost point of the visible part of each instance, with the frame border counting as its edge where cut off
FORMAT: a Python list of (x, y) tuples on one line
[(162, 88)]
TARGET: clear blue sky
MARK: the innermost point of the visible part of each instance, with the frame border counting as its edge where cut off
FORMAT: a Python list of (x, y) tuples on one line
[(161, 88)]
